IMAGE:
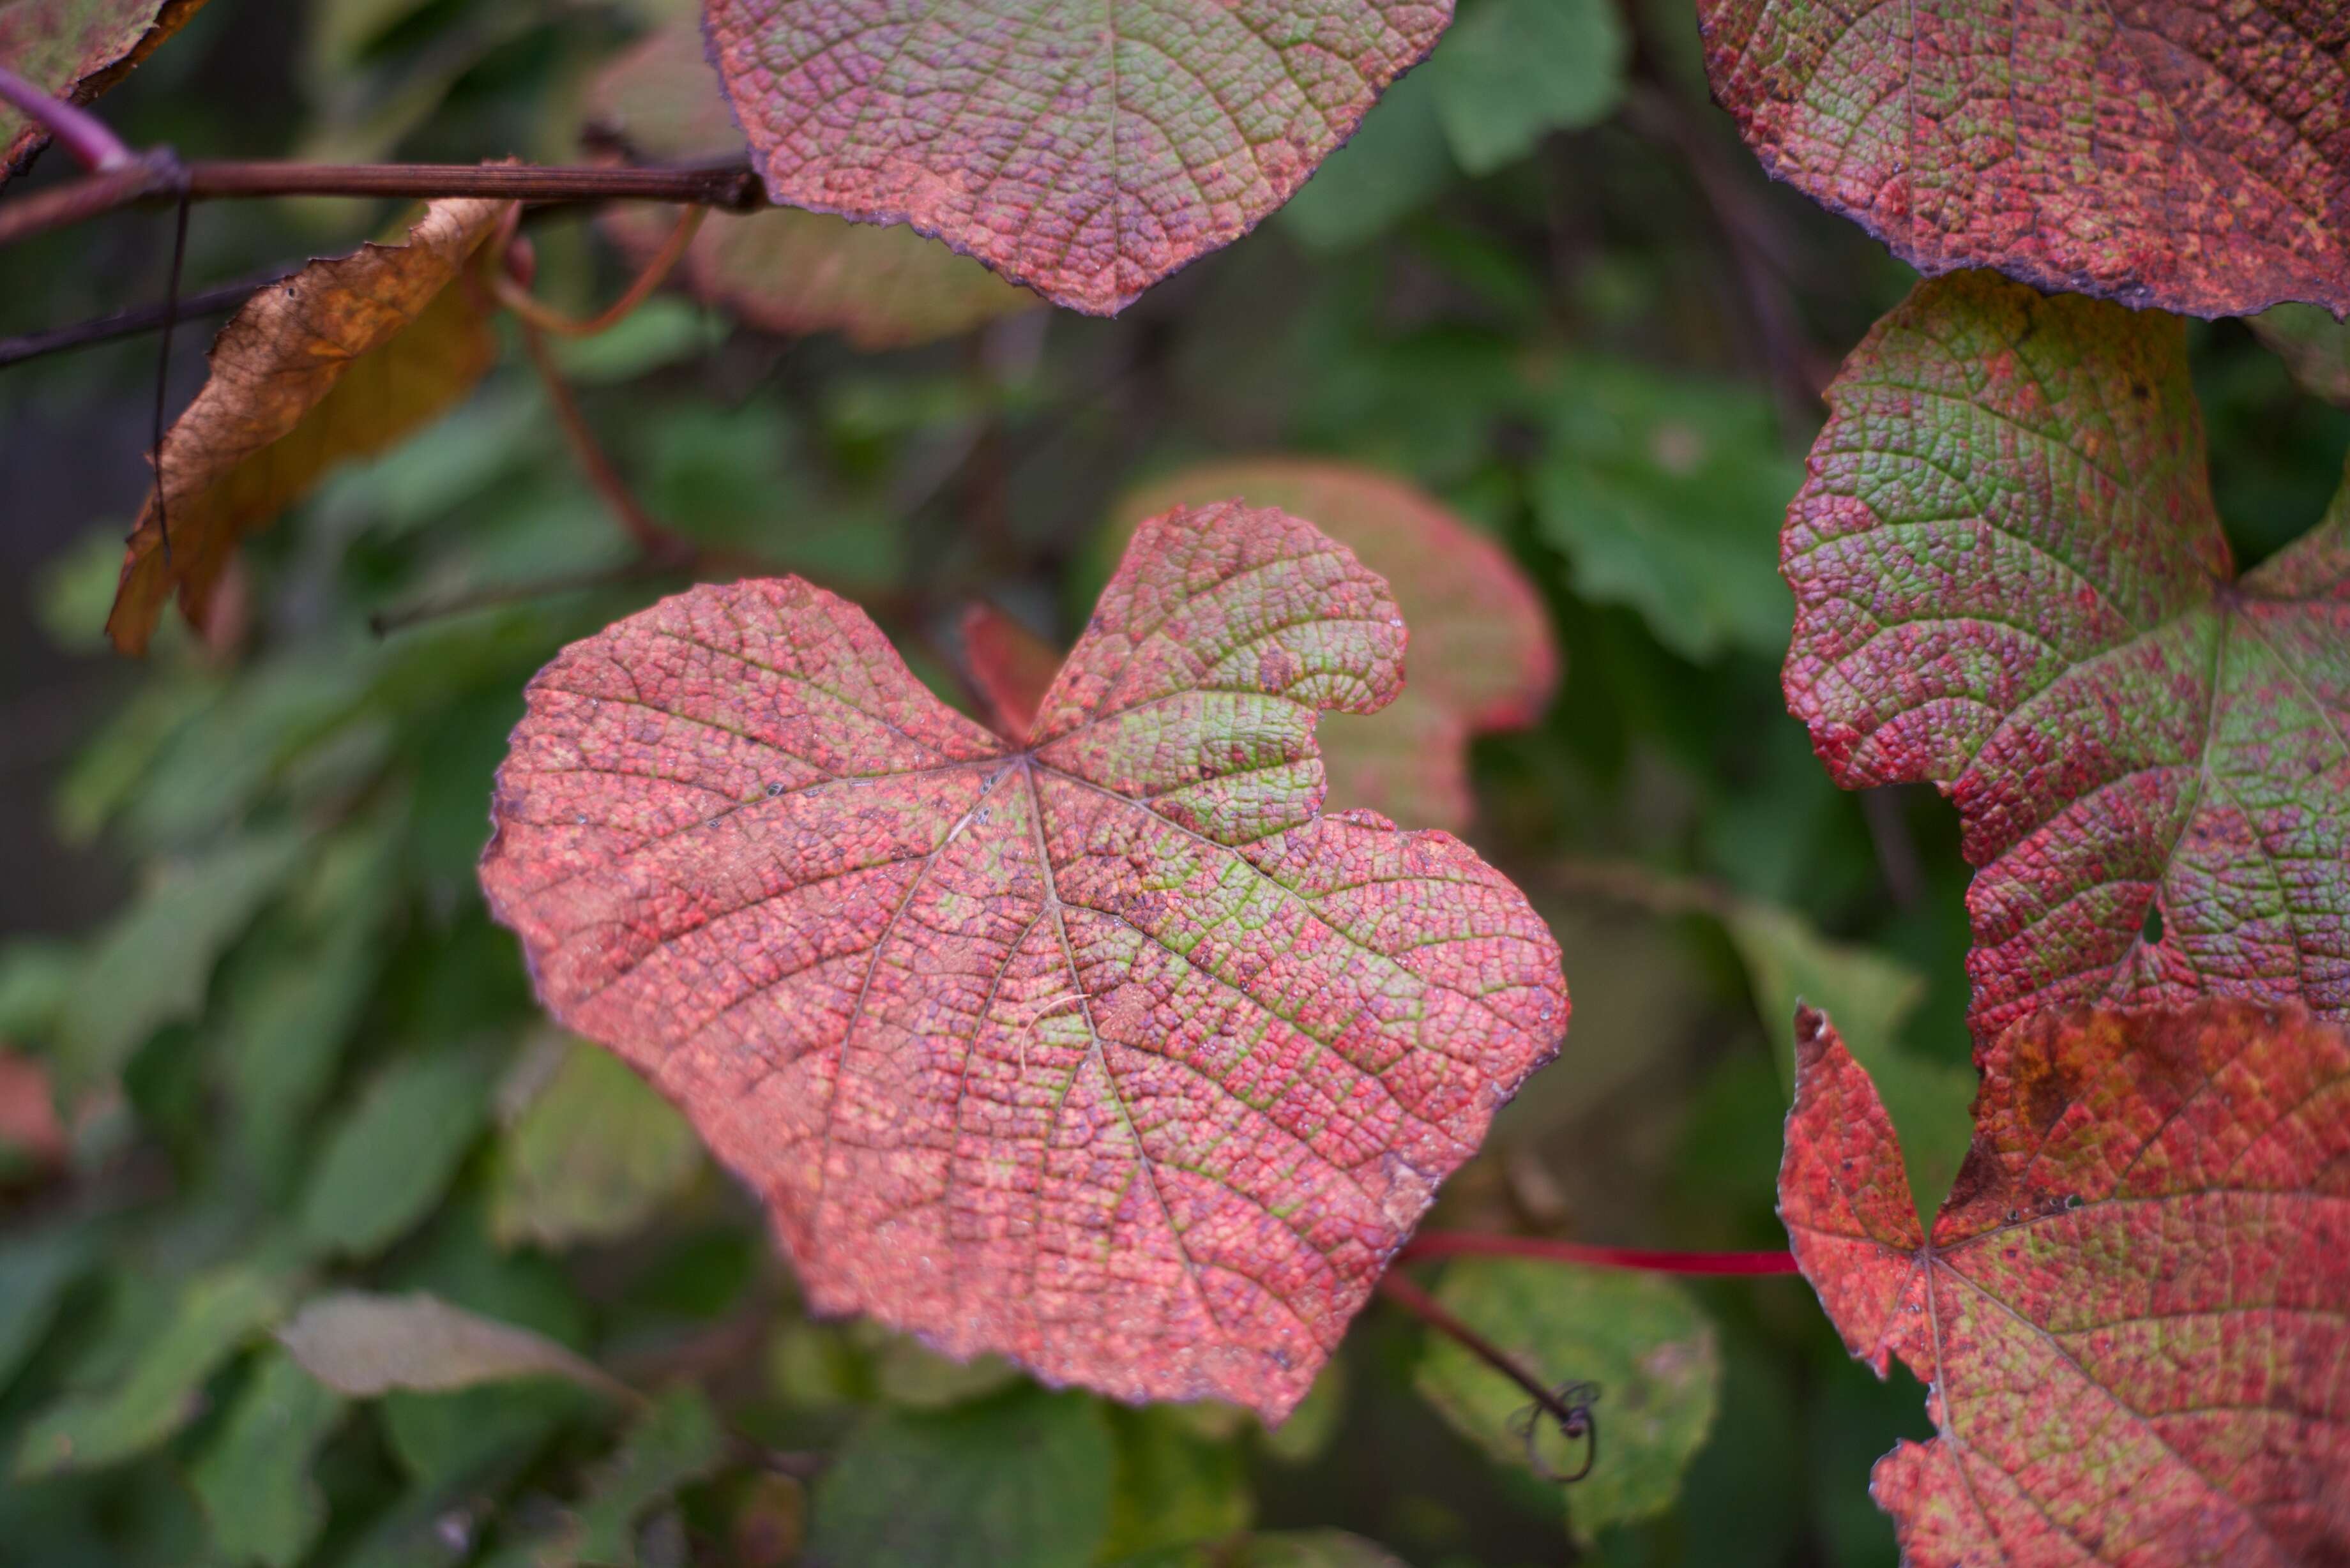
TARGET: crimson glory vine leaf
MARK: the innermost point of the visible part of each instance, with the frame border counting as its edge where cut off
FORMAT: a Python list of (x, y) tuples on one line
[(1110, 1052)]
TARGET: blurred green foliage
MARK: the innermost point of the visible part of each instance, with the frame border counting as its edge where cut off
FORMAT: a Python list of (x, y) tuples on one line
[(299, 1072)]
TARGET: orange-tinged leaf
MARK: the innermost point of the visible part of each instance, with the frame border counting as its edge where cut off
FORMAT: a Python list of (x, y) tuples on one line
[(75, 50), (2190, 155), (1482, 659), (2132, 1307), (1085, 151), (336, 362), (1110, 1052), (2010, 579), (781, 270)]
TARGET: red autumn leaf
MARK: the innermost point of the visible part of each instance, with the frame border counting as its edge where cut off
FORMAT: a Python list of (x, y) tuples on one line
[(1082, 155), (2131, 1307), (2192, 155), (1012, 667), (75, 50), (1110, 1052), (1483, 659), (780, 270), (2010, 579)]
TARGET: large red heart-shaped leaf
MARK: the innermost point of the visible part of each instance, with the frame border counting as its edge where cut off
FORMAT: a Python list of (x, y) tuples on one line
[(2192, 155), (2010, 579), (1108, 1052), (1085, 150), (2132, 1307)]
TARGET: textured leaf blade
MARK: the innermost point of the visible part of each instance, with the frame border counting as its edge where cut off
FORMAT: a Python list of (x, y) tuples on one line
[(2009, 580), (2130, 1306), (1111, 1053), (74, 50), (1070, 150), (1482, 657), (783, 270), (2186, 155), (337, 361)]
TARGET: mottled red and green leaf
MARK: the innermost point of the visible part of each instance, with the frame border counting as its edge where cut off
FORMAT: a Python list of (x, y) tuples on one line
[(2192, 155), (2010, 579), (779, 270), (2132, 1307), (1483, 657), (1083, 150), (1109, 1051), (75, 50)]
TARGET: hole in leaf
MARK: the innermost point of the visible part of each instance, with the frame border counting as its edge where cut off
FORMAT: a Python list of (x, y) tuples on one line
[(2150, 931)]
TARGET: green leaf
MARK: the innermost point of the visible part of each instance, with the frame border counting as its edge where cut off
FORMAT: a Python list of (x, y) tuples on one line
[(393, 1153), (35, 1272), (285, 1024), (590, 1156), (676, 1442), (1022, 1478), (35, 980), (1667, 492), (1789, 962), (1512, 71), (253, 1480), (153, 965), (1395, 164), (363, 1345), (1174, 1488), (215, 1314), (908, 1372), (1640, 1338), (1307, 1432)]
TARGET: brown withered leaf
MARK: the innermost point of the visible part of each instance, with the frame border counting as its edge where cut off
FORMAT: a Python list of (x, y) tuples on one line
[(337, 361)]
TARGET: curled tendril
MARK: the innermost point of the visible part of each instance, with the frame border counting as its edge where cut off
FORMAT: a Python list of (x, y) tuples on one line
[(1571, 1413)]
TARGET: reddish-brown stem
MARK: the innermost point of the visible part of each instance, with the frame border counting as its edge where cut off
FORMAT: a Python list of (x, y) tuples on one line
[(60, 206), (1432, 1244), (139, 318), (1398, 1289), (523, 303), (725, 183), (659, 544), (93, 143)]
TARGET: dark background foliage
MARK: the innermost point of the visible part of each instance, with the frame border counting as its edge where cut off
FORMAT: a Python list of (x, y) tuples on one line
[(236, 889)]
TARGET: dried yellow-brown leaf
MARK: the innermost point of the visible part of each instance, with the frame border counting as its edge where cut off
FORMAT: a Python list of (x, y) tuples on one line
[(336, 362)]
